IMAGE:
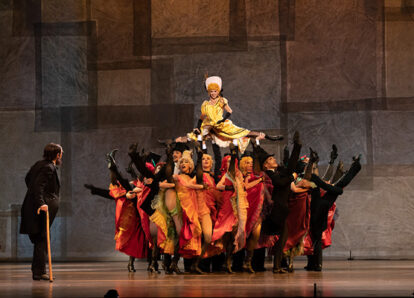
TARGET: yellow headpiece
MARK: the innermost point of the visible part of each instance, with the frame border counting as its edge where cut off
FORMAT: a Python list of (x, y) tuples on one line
[(213, 83)]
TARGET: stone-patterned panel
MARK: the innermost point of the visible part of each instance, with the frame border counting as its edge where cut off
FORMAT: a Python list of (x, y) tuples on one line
[(393, 137), (251, 83), (188, 18), (17, 72), (64, 73), (319, 130), (115, 29), (63, 11), (124, 87), (399, 47), (262, 18), (6, 22), (376, 223), (19, 151), (93, 217), (26, 13), (333, 55)]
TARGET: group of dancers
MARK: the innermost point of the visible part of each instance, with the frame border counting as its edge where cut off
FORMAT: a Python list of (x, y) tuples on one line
[(222, 213)]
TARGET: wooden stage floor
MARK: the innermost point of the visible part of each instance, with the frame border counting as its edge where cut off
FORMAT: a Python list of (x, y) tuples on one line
[(340, 278)]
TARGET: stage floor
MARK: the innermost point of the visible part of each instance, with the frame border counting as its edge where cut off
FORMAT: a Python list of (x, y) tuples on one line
[(338, 279)]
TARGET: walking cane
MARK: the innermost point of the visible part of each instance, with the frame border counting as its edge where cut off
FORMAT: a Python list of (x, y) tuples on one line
[(48, 247)]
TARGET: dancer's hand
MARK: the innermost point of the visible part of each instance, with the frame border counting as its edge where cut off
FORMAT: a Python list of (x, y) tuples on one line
[(196, 131), (130, 195), (44, 208), (148, 181)]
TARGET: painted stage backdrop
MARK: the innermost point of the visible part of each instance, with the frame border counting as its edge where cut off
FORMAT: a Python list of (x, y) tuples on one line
[(94, 75)]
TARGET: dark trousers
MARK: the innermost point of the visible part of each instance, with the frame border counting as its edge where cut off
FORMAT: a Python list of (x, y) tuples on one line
[(278, 248), (217, 262), (258, 260), (39, 253)]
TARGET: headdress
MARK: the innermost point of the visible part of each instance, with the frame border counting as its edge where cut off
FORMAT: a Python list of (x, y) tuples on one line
[(213, 83)]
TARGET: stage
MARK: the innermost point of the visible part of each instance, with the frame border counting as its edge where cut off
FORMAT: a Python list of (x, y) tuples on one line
[(362, 278)]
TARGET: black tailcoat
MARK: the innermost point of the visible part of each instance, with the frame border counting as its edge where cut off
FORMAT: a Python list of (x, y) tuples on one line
[(43, 187)]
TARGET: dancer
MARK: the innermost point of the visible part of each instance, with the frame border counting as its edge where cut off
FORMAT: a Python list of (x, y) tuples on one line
[(255, 196), (130, 236), (320, 207), (152, 202), (232, 213), (212, 124), (275, 223), (42, 194)]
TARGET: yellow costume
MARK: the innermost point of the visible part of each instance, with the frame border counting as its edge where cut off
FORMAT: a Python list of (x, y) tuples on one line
[(222, 133)]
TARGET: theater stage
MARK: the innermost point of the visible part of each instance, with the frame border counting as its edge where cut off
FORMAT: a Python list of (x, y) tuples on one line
[(362, 278)]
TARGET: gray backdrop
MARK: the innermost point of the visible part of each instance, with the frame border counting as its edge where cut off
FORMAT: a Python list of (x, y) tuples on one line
[(97, 75)]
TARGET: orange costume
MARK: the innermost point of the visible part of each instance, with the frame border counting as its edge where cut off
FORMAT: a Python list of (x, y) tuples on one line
[(190, 234), (129, 234)]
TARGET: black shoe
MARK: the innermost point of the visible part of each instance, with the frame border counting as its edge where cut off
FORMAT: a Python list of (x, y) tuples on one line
[(273, 138), (196, 270), (153, 267), (41, 277), (110, 157), (131, 267), (174, 268), (296, 139), (279, 270), (356, 158), (317, 268)]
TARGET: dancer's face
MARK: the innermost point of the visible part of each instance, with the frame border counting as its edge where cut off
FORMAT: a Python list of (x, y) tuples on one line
[(176, 155), (249, 165), (270, 163), (213, 94), (206, 163), (185, 166)]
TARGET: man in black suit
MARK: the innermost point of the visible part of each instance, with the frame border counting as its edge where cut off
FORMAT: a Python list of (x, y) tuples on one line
[(42, 194), (282, 177)]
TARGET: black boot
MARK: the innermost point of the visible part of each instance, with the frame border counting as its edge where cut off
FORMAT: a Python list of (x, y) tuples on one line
[(247, 265), (194, 266), (166, 263), (153, 267), (131, 267), (352, 172), (110, 157), (273, 138), (277, 266), (311, 263), (296, 139), (284, 263), (174, 264)]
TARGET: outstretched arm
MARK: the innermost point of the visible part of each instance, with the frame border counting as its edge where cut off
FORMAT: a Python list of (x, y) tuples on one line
[(99, 191)]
